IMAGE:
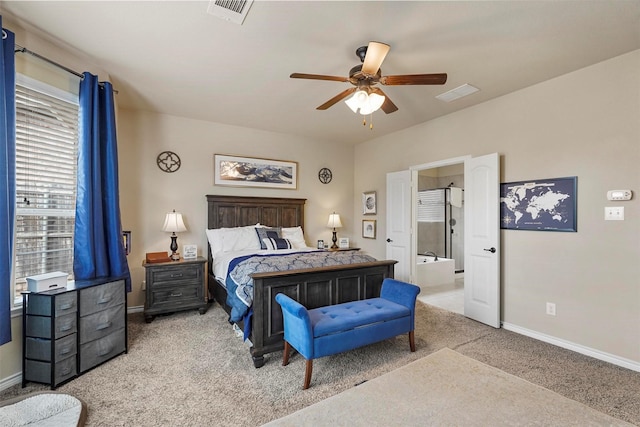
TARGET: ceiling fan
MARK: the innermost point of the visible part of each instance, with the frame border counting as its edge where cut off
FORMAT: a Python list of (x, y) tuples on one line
[(367, 75)]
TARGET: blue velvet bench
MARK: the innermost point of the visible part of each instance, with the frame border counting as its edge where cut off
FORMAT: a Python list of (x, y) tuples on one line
[(337, 328)]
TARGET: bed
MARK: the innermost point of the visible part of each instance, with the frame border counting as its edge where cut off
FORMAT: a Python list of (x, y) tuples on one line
[(312, 287)]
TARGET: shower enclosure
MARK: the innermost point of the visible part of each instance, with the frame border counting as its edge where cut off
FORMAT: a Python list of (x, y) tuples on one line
[(441, 224)]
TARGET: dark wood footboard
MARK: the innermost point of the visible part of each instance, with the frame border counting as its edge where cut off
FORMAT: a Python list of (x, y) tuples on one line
[(312, 288)]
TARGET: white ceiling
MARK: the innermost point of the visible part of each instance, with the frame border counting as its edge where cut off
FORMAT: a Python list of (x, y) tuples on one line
[(175, 58)]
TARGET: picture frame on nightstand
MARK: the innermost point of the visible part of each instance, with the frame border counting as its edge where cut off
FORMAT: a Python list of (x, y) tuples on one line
[(190, 251), (343, 242)]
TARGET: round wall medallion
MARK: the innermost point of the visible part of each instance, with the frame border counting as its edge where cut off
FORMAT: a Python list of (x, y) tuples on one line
[(168, 161), (325, 175)]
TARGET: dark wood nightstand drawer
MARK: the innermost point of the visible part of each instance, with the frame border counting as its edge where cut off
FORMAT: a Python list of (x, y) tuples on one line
[(171, 274), (177, 295)]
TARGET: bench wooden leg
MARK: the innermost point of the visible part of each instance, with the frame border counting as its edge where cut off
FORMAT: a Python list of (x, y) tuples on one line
[(412, 342), (285, 355), (307, 374)]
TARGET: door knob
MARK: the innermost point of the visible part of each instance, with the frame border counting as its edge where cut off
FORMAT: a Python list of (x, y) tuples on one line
[(389, 240), (492, 250)]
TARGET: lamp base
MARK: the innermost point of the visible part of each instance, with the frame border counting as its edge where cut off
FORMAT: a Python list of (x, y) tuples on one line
[(334, 239), (174, 247)]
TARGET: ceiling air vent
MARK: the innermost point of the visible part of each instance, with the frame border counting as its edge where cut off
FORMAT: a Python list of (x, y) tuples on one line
[(230, 10)]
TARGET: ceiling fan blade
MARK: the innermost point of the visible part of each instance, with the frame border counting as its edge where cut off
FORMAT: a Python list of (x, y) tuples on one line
[(339, 97), (415, 79), (388, 106), (318, 77), (376, 53)]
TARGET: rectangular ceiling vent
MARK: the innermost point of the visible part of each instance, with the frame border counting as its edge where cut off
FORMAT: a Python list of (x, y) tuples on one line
[(230, 10), (457, 93)]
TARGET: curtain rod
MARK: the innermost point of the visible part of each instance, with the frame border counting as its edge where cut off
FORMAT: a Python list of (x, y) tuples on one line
[(21, 49)]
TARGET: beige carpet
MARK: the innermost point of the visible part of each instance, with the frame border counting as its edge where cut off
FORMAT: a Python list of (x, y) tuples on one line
[(187, 369), (447, 389)]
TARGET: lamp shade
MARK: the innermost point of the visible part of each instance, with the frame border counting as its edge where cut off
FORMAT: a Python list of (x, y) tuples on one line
[(173, 223), (334, 221)]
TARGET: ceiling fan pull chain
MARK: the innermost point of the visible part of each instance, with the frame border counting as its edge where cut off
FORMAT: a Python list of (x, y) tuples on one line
[(371, 122), (364, 121)]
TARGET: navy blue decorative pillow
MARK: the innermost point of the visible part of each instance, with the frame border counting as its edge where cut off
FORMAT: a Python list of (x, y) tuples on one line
[(267, 233), (275, 243)]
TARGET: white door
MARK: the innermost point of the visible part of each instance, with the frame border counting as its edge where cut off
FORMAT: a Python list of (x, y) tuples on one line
[(482, 239), (399, 222)]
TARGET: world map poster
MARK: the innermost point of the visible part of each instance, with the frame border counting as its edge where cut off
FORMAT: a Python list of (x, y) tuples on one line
[(544, 205)]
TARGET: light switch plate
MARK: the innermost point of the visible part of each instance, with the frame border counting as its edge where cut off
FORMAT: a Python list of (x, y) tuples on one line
[(614, 213)]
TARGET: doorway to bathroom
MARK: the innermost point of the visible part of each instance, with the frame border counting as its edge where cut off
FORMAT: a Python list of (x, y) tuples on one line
[(440, 236)]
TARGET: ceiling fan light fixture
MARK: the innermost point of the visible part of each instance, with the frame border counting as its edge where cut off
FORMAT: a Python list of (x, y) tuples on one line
[(358, 99), (366, 103)]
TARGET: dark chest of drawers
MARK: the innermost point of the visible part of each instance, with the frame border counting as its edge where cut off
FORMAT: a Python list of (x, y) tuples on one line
[(68, 331), (174, 286)]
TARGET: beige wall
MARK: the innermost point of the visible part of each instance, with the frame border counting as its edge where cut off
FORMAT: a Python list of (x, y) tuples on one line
[(583, 124), (147, 193)]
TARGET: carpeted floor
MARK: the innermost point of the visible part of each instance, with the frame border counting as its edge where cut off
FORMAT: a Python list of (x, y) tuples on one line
[(446, 388), (189, 369)]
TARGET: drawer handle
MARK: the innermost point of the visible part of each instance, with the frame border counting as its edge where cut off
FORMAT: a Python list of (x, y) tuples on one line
[(105, 352), (66, 306), (65, 328), (66, 371), (176, 295), (104, 300), (65, 350), (103, 326), (176, 275)]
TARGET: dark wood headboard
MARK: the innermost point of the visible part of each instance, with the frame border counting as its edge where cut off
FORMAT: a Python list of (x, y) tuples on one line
[(237, 211)]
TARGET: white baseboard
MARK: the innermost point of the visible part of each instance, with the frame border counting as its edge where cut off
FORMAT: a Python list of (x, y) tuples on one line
[(596, 354), (135, 309), (10, 381)]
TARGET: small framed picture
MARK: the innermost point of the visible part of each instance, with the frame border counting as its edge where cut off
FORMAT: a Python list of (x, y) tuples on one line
[(190, 251), (369, 203), (343, 243), (369, 228), (320, 244)]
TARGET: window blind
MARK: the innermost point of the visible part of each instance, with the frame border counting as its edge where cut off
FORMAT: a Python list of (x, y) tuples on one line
[(46, 173), (431, 206)]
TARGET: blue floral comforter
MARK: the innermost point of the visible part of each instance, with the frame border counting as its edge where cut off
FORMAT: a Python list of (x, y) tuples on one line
[(240, 284)]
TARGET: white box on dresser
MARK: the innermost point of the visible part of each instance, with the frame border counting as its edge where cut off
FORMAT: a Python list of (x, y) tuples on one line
[(47, 281)]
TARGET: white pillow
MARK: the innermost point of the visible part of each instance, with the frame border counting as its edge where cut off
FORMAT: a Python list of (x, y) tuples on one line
[(295, 236), (214, 236), (233, 239), (239, 239)]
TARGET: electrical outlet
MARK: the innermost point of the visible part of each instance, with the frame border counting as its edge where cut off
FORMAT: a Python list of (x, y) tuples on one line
[(551, 309), (144, 285)]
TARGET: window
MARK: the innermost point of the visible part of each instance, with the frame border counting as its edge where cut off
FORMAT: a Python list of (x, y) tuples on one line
[(46, 173)]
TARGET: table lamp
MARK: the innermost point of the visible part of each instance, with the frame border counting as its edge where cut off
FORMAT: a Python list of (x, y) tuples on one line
[(334, 222), (173, 224)]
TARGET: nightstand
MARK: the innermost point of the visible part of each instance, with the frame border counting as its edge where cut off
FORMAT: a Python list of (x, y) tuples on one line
[(174, 286)]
